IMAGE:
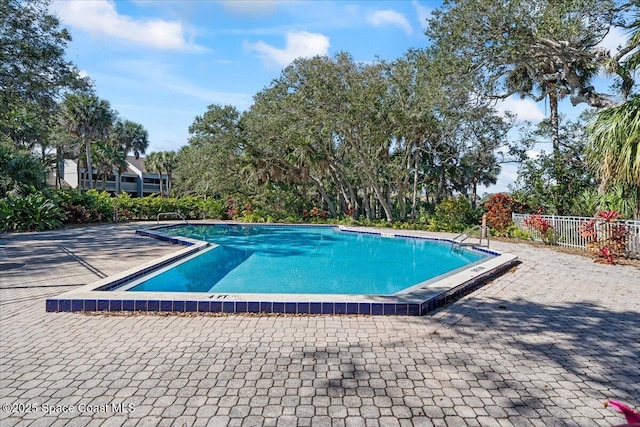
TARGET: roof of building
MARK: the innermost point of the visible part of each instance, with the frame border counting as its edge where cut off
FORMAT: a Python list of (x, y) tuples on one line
[(137, 163)]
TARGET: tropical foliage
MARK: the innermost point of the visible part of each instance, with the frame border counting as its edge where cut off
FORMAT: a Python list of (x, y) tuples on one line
[(34, 72), (407, 142), (84, 207), (33, 212), (555, 188), (372, 140), (605, 238), (162, 162), (88, 118), (614, 148), (19, 171), (543, 227), (499, 209), (546, 51)]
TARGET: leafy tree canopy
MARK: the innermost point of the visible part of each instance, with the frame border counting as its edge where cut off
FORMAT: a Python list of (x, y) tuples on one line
[(531, 47), (19, 171), (34, 72)]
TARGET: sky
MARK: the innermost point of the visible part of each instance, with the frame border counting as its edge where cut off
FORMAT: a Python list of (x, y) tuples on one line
[(161, 63)]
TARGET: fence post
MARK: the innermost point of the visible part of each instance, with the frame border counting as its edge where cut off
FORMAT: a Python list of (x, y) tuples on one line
[(483, 234)]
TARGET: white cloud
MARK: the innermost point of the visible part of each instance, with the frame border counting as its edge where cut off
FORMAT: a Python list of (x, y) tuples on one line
[(101, 19), (299, 44), (423, 12), (508, 175), (533, 153), (616, 38), (389, 17), (524, 109)]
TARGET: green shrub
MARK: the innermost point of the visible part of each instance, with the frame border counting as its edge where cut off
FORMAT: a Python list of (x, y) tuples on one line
[(253, 217), (80, 208), (124, 207), (148, 208), (515, 232), (191, 207), (20, 172), (33, 212), (214, 208), (455, 215)]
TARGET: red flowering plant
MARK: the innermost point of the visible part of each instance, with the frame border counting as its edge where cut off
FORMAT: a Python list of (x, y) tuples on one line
[(542, 226), (605, 238), (314, 213), (632, 415), (231, 210)]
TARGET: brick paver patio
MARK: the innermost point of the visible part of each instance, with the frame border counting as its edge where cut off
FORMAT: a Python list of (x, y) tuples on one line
[(543, 345)]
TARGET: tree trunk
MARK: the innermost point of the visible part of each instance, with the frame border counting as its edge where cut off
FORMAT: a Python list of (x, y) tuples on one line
[(58, 178), (349, 194), (475, 193), (325, 196), (161, 183), (402, 200), (376, 188), (87, 147), (81, 179), (367, 205), (555, 140), (414, 195)]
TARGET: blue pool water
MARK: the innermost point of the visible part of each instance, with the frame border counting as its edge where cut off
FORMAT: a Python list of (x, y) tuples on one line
[(304, 260)]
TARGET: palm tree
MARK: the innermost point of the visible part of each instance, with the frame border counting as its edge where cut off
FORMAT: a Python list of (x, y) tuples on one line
[(109, 156), (89, 118), (169, 162), (614, 144), (130, 136), (153, 163)]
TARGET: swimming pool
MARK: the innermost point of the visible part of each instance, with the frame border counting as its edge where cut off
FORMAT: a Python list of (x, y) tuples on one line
[(402, 291), (303, 260)]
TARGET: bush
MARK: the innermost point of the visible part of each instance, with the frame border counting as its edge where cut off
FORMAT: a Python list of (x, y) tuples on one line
[(455, 215), (499, 209), (148, 208), (315, 215), (543, 227), (33, 212), (81, 208), (515, 232), (40, 212), (605, 238), (20, 172), (214, 208)]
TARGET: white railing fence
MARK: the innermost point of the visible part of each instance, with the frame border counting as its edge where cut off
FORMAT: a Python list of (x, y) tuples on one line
[(567, 229)]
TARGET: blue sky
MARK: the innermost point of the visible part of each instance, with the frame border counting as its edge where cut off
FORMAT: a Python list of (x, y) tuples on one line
[(161, 63)]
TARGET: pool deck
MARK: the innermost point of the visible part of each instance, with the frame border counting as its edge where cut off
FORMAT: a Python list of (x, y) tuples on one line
[(542, 345)]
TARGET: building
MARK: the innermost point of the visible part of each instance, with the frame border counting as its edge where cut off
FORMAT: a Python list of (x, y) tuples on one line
[(135, 180)]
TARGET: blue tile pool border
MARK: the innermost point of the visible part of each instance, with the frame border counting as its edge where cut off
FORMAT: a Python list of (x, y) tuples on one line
[(204, 304)]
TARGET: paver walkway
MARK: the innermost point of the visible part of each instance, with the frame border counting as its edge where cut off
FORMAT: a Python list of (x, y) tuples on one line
[(542, 345)]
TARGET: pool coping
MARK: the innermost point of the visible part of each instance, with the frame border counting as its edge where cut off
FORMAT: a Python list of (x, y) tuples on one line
[(425, 297)]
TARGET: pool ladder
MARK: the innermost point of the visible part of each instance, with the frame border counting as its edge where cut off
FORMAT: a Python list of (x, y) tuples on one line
[(460, 240), (178, 214)]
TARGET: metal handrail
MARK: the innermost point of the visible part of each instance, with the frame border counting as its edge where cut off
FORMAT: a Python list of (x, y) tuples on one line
[(485, 233), (171, 213)]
